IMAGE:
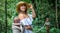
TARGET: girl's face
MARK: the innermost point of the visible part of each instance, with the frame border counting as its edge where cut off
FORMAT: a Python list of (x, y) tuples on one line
[(23, 8)]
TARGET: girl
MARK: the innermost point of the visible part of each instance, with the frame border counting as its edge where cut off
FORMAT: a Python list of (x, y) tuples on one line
[(25, 18)]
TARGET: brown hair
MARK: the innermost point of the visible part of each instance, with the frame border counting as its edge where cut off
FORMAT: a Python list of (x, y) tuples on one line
[(20, 4)]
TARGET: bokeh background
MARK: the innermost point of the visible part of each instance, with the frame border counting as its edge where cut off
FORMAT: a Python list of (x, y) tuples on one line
[(42, 9)]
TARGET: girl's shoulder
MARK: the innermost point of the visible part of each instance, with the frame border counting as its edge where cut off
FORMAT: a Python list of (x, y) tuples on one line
[(20, 16)]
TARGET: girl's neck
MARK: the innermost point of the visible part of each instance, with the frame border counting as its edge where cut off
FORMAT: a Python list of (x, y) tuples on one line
[(23, 12)]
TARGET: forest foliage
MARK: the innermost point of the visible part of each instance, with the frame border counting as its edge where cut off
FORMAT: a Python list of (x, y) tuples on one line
[(42, 9)]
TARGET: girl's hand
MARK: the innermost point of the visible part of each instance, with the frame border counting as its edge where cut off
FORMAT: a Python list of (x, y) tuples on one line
[(28, 27), (30, 6)]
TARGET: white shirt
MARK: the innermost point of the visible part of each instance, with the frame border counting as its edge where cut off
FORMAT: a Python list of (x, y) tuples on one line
[(27, 21), (47, 23)]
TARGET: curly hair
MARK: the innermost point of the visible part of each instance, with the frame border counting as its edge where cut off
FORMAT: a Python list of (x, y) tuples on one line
[(21, 4)]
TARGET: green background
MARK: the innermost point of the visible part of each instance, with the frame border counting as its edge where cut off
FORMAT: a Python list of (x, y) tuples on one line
[(42, 9)]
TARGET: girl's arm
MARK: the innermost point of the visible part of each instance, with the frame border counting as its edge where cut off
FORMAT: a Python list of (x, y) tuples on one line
[(33, 11)]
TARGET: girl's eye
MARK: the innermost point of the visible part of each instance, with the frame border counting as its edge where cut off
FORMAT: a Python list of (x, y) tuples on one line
[(23, 5)]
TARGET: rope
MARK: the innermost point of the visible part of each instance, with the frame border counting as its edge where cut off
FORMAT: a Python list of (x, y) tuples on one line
[(39, 29), (56, 14)]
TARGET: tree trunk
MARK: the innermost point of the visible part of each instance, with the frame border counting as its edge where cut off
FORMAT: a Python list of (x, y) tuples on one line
[(6, 16)]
